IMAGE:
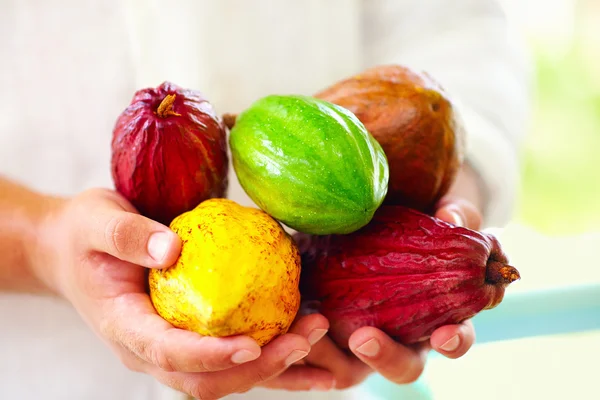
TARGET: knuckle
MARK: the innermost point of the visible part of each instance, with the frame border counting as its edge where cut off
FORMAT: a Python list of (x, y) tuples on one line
[(204, 392), (261, 376), (257, 377), (158, 356), (173, 360), (198, 386), (120, 235), (131, 341), (201, 366), (126, 355)]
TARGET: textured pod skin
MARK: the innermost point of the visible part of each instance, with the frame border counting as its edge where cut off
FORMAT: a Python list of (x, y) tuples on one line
[(238, 274), (167, 160), (415, 122), (405, 273), (309, 163)]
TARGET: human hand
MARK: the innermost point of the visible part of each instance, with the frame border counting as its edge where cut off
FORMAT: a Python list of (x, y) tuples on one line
[(371, 350), (94, 251)]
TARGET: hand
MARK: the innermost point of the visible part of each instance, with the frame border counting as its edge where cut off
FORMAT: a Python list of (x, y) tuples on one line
[(374, 351), (94, 250), (371, 350)]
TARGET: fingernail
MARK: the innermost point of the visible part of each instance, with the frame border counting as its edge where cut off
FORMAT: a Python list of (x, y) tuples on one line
[(324, 386), (158, 244), (294, 356), (451, 344), (316, 335), (370, 348), (243, 356), (457, 218)]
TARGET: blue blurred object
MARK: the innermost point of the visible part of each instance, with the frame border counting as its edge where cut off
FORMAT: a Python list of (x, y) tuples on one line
[(569, 309), (553, 311), (378, 388)]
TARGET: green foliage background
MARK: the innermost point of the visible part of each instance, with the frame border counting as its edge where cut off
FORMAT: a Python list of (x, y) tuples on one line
[(560, 192)]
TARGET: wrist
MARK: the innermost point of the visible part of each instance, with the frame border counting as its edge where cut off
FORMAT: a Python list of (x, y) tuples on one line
[(21, 213), (47, 243)]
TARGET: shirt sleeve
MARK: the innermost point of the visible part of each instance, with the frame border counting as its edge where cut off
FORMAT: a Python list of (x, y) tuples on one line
[(471, 49)]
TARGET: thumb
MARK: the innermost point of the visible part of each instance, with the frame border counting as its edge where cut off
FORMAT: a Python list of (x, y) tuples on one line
[(130, 237)]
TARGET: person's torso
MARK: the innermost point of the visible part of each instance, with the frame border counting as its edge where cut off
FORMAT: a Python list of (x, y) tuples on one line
[(68, 68)]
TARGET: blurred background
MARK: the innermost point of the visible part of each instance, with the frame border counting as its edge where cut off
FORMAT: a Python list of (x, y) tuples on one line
[(555, 236)]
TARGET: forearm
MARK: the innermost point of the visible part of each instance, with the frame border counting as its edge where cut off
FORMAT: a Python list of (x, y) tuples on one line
[(22, 215)]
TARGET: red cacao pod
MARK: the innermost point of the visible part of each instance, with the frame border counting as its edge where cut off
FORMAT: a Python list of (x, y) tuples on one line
[(417, 125), (169, 152), (406, 273)]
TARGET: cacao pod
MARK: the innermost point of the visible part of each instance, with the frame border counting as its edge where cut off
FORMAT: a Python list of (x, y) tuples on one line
[(309, 163), (169, 152), (216, 289), (406, 273), (416, 123)]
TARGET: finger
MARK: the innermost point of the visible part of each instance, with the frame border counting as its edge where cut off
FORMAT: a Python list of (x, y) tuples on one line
[(347, 369), (394, 361), (313, 327), (459, 212), (135, 325), (299, 378), (453, 341), (129, 237), (275, 358)]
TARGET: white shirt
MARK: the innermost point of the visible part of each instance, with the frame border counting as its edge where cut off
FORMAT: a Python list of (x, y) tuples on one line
[(69, 67)]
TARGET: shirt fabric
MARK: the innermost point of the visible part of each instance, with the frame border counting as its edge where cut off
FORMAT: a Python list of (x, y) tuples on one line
[(69, 67)]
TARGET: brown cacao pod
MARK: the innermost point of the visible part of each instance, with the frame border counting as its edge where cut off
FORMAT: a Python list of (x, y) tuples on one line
[(417, 125)]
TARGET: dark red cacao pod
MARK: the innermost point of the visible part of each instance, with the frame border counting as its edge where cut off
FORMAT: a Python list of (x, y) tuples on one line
[(406, 273), (169, 152)]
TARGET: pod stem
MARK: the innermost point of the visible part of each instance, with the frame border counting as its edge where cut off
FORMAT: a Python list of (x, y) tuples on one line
[(165, 107), (229, 120), (500, 273)]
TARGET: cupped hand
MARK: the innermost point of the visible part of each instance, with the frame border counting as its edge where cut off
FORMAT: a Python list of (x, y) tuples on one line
[(98, 248)]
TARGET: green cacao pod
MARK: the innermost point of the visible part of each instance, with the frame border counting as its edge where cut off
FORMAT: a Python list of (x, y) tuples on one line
[(309, 163)]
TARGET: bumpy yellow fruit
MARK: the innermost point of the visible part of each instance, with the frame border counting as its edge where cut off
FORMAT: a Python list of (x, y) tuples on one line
[(238, 274)]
